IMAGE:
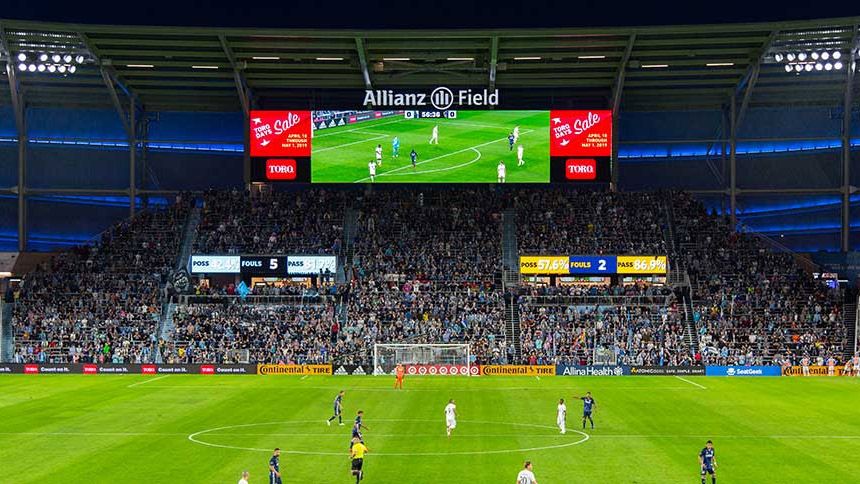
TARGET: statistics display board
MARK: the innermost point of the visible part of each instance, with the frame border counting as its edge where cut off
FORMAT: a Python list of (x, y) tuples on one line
[(593, 264), (410, 146)]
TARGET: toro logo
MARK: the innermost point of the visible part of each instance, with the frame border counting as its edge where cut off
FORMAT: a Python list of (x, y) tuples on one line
[(207, 369), (31, 369), (284, 169), (580, 169), (148, 369), (90, 369)]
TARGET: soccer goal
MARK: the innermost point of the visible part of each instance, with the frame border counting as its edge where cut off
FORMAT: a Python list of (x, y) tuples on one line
[(424, 359)]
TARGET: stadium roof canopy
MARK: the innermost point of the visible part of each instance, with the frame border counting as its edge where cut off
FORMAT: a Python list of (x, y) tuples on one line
[(659, 68)]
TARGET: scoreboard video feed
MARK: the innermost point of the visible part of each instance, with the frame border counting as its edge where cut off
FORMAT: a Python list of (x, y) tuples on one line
[(409, 146)]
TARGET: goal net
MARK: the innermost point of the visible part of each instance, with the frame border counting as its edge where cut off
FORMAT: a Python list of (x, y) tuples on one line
[(423, 359)]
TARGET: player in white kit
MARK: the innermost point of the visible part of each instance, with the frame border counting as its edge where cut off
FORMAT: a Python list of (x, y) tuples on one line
[(526, 476), (450, 417), (372, 167), (379, 155), (561, 416), (434, 138), (516, 133), (501, 171), (520, 161)]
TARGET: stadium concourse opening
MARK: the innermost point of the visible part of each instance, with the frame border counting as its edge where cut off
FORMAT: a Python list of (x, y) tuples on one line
[(429, 256)]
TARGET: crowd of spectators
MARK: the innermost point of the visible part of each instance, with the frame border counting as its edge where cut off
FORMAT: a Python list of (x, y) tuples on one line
[(101, 302), (235, 222)]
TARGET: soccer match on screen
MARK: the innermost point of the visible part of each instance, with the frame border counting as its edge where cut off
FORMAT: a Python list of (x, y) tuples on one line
[(331, 242)]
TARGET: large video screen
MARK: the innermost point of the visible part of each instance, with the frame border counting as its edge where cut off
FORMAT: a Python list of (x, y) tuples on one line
[(405, 146)]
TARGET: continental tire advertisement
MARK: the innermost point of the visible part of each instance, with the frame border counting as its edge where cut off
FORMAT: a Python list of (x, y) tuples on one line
[(813, 371), (517, 370), (272, 369), (122, 369)]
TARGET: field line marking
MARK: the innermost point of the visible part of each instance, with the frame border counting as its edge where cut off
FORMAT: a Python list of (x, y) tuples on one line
[(475, 160), (357, 129), (349, 144), (691, 382), (147, 381), (440, 156), (304, 377)]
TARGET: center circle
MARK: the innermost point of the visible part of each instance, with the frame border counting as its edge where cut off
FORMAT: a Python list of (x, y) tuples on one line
[(196, 438)]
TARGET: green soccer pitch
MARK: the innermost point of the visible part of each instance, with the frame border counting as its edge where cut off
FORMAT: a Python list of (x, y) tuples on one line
[(207, 429), (469, 150)]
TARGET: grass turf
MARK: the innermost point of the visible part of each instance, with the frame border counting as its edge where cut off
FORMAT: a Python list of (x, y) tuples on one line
[(134, 428), (469, 149)]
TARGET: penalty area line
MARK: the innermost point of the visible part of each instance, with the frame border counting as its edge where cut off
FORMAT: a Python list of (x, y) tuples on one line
[(147, 381), (691, 382)]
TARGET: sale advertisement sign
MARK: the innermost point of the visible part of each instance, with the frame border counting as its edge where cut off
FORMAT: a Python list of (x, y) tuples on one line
[(280, 133), (586, 133)]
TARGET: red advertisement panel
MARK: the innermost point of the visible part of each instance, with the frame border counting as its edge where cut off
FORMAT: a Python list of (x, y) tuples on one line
[(580, 169), (442, 370), (280, 133), (148, 369), (31, 369), (281, 169), (207, 369), (580, 133), (90, 369)]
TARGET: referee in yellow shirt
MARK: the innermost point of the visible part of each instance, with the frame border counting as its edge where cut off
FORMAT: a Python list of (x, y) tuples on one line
[(356, 454)]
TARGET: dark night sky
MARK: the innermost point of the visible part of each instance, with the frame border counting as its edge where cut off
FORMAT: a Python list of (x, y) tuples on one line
[(420, 14)]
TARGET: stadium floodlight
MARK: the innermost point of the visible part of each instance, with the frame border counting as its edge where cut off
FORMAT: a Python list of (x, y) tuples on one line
[(837, 65), (814, 55), (828, 67), (41, 67), (825, 55), (79, 59), (56, 58), (67, 58), (719, 64), (265, 57), (139, 66), (790, 56), (62, 69), (204, 67), (787, 68), (43, 57), (591, 57), (801, 57), (52, 68), (22, 67), (529, 58), (836, 54), (819, 66), (329, 58), (404, 59), (798, 67), (31, 68), (653, 66), (778, 57), (460, 58), (808, 67), (72, 69), (22, 57)]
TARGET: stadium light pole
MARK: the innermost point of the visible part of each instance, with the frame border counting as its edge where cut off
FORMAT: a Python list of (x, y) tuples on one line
[(494, 61), (845, 238), (21, 127), (733, 166), (617, 89), (362, 62), (245, 94)]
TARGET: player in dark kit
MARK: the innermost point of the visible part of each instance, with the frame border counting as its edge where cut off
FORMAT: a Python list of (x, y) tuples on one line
[(414, 157), (587, 407), (511, 140), (275, 467), (708, 462), (338, 409), (356, 428)]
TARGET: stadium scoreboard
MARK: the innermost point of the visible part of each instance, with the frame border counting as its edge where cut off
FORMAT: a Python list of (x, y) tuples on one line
[(593, 264), (430, 146)]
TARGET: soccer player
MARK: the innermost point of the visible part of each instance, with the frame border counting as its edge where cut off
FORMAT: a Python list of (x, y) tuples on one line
[(450, 417), (398, 379), (244, 479), (434, 138), (338, 409), (561, 416), (520, 161), (526, 476), (372, 168), (357, 426), (831, 366), (587, 407), (356, 455), (708, 462), (500, 171), (511, 141), (275, 467), (379, 155), (516, 133), (846, 370), (856, 364), (414, 157), (395, 147), (804, 364)]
